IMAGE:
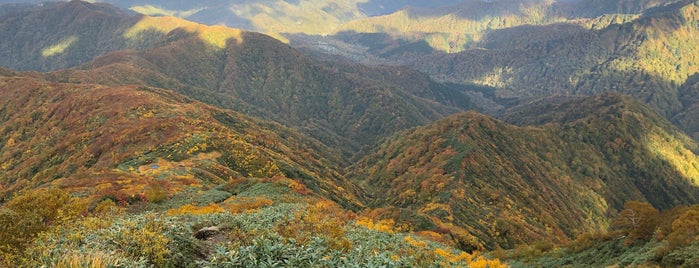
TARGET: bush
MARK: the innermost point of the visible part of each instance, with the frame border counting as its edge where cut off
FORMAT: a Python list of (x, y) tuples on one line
[(35, 211), (142, 237), (685, 229), (638, 219), (195, 210), (155, 193)]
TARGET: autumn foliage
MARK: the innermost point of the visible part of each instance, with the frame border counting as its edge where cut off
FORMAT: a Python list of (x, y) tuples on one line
[(34, 211)]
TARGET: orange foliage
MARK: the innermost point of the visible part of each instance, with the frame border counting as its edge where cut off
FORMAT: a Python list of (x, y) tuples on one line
[(640, 219), (685, 228), (444, 238), (298, 187), (195, 210), (321, 219), (245, 204)]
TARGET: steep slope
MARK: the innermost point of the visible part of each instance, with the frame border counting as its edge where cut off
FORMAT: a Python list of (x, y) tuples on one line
[(507, 185), (688, 118), (103, 140), (60, 35), (347, 106), (534, 48), (648, 56), (97, 176), (461, 26)]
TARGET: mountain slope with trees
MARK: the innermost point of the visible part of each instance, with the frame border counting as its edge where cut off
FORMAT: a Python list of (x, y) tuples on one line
[(117, 140), (648, 55), (508, 185), (185, 144), (535, 48), (346, 105)]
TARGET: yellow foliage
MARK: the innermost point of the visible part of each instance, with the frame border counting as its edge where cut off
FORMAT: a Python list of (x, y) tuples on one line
[(308, 16), (319, 220), (107, 207), (451, 257), (155, 193), (59, 47), (430, 208), (385, 225), (145, 240), (448, 33), (298, 187), (673, 151), (685, 229), (32, 212), (195, 210), (216, 36), (482, 262), (415, 243), (245, 204)]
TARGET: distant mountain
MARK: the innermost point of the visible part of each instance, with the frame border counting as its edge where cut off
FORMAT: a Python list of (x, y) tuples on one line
[(564, 174), (647, 54), (461, 26), (270, 17), (61, 35), (104, 139), (347, 106)]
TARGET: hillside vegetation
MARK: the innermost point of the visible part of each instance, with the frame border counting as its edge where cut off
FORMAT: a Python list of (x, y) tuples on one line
[(159, 142), (133, 176), (506, 185), (535, 48), (100, 140)]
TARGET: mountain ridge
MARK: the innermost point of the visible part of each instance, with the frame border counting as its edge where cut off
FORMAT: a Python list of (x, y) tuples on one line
[(110, 132)]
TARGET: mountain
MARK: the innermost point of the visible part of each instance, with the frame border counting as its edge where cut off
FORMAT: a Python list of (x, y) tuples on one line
[(275, 18), (461, 26), (536, 48), (345, 105), (573, 165), (60, 35), (96, 175), (173, 143), (630, 57), (101, 139)]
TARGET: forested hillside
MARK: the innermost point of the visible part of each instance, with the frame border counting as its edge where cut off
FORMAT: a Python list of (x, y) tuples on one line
[(347, 106), (561, 177), (101, 140), (646, 49)]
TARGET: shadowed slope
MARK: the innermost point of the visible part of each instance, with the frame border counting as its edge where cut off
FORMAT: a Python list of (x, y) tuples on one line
[(346, 106)]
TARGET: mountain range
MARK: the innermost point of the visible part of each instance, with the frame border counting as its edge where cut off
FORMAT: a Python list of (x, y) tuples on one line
[(642, 48), (539, 129)]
